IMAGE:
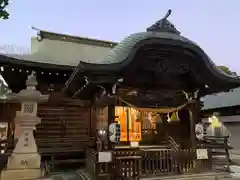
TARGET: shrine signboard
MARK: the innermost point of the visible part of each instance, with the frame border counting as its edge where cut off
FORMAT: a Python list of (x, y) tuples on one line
[(104, 157), (202, 154)]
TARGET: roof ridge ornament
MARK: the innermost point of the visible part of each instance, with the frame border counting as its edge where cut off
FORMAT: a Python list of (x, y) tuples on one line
[(163, 25)]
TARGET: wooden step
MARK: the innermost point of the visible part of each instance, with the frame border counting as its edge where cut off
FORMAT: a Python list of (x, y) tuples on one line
[(66, 127), (79, 138), (58, 108), (54, 125), (58, 151), (68, 146), (46, 119), (68, 161), (59, 113), (60, 133), (58, 136), (68, 123), (48, 143)]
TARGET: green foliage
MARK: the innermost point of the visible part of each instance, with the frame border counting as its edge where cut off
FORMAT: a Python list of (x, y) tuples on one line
[(3, 12), (227, 70)]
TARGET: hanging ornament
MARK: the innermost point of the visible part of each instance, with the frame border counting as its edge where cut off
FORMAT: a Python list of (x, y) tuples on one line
[(177, 116), (174, 117), (168, 117)]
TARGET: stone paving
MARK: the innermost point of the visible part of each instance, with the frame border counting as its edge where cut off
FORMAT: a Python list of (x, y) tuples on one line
[(64, 176), (81, 175)]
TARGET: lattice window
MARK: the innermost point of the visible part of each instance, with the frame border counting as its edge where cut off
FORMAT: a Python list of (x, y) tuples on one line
[(28, 108)]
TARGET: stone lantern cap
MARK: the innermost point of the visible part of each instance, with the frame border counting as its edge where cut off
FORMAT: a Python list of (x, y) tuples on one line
[(31, 81), (30, 93)]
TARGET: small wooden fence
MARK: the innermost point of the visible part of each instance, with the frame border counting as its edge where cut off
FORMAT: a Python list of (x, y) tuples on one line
[(169, 162), (135, 163), (95, 169), (219, 146)]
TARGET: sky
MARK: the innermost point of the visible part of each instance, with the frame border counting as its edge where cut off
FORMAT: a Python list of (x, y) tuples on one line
[(214, 25)]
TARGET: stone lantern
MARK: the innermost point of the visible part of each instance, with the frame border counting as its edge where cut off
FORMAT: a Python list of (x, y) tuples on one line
[(25, 161)]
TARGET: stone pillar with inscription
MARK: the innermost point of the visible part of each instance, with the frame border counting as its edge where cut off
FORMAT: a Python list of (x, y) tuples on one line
[(24, 162)]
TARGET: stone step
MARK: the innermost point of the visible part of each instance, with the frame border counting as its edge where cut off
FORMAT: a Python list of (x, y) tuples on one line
[(83, 175), (63, 176), (201, 176)]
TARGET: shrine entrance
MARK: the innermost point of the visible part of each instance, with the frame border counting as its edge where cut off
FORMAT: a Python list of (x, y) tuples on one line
[(151, 127), (145, 103)]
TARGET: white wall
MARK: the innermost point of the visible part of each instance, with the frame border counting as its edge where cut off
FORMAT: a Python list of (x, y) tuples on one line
[(67, 53), (235, 137)]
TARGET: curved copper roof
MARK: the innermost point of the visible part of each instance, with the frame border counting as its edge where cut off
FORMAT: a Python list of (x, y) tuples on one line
[(161, 33), (119, 55)]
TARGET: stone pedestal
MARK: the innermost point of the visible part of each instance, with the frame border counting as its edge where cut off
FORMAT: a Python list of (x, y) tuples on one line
[(21, 174), (25, 162)]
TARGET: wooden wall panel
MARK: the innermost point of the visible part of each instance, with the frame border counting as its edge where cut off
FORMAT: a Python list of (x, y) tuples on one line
[(64, 118)]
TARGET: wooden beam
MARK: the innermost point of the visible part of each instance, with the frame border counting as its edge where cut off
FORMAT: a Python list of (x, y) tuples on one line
[(150, 103), (104, 101)]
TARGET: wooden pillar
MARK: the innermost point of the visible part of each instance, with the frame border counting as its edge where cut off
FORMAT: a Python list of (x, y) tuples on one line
[(184, 128), (194, 115), (161, 127), (92, 121), (9, 121), (111, 119)]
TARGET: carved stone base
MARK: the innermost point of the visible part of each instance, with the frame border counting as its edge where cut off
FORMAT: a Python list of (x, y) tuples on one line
[(20, 174), (22, 166), (24, 161)]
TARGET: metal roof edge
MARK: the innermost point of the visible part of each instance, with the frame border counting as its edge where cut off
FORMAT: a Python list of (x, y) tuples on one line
[(72, 38), (21, 59), (224, 99)]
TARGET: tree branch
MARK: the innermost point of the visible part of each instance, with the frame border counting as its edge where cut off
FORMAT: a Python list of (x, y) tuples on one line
[(3, 12)]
